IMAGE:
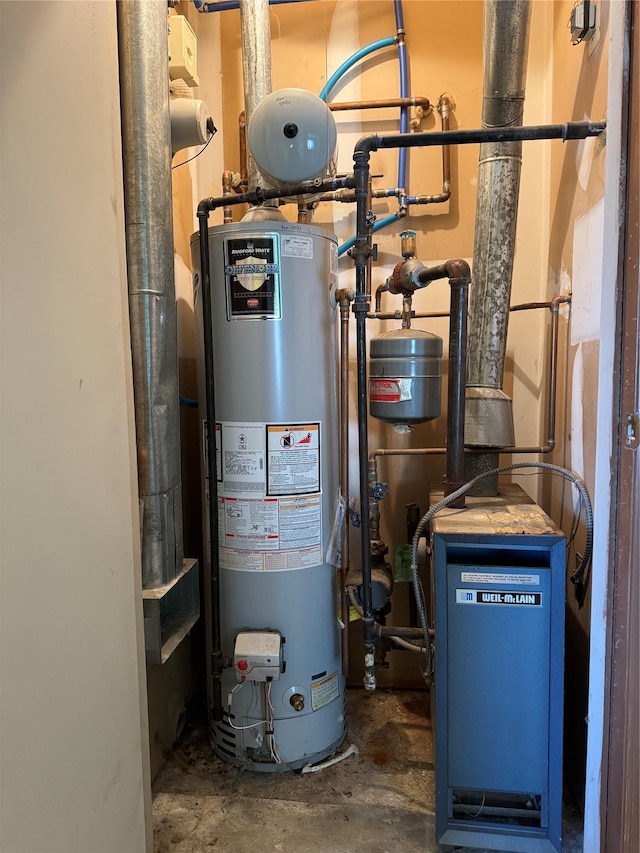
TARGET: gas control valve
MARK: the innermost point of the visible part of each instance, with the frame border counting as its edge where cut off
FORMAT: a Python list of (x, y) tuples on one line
[(257, 656)]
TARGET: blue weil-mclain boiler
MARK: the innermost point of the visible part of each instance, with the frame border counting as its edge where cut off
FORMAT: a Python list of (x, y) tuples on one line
[(499, 581)]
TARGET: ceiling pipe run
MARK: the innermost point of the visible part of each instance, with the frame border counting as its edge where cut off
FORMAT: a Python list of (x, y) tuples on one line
[(146, 147), (489, 416)]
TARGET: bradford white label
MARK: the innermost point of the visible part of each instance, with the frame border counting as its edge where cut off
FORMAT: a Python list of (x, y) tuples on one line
[(252, 272)]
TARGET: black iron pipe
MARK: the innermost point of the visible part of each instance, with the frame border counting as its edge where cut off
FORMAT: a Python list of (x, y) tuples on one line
[(345, 302), (459, 275), (456, 387), (361, 252), (260, 195), (212, 473), (569, 130)]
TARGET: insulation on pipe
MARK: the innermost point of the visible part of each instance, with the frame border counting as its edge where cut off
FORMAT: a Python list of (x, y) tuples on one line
[(146, 144)]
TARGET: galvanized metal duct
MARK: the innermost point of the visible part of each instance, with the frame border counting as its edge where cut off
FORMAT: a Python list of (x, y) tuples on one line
[(256, 74), (489, 417), (146, 141)]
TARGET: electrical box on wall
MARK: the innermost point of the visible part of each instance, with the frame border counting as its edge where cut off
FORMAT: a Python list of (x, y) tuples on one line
[(183, 51)]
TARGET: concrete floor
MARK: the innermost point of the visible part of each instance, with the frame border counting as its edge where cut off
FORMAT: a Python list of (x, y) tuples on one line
[(380, 801)]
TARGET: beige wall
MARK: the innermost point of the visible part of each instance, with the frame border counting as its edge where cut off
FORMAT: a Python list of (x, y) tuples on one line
[(575, 264), (74, 750), (575, 251)]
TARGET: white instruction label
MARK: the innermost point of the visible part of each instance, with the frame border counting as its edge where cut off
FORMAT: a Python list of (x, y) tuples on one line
[(489, 577), (296, 246), (325, 691), (269, 521), (205, 450), (270, 534), (242, 455)]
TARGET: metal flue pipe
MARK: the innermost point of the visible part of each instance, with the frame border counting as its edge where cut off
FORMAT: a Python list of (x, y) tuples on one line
[(146, 144), (489, 420), (256, 71)]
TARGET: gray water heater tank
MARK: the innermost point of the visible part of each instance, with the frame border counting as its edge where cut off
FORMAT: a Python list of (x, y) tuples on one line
[(277, 441), (405, 377)]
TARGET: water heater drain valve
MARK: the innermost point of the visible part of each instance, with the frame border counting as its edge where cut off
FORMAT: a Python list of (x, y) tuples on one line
[(257, 656)]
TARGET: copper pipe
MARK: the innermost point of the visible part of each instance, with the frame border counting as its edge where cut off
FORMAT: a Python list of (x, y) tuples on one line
[(303, 213), (344, 300), (406, 312), (548, 446), (524, 306), (227, 178), (347, 196), (383, 288), (397, 315), (554, 306), (378, 105), (242, 142), (444, 108)]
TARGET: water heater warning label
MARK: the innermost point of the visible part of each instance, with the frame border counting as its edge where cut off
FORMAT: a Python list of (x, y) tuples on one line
[(484, 596), (325, 691), (293, 459), (270, 534)]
